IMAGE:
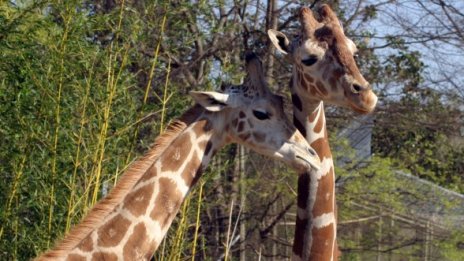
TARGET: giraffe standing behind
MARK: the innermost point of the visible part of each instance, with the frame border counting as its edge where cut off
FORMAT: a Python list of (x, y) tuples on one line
[(130, 223), (324, 69)]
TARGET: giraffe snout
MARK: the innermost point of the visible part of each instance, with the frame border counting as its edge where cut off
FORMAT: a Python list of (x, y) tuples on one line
[(312, 151), (362, 98), (357, 87), (307, 157)]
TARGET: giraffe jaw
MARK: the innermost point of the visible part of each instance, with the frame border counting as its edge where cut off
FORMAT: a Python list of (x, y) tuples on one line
[(359, 110), (298, 155), (367, 104), (310, 164)]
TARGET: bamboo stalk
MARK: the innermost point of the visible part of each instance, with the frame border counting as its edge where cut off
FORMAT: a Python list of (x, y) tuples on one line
[(176, 249), (197, 224), (78, 153), (227, 250), (14, 188), (57, 128), (103, 134), (165, 98), (111, 87), (147, 88)]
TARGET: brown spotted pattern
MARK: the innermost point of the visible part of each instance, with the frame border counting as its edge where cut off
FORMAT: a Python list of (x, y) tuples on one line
[(86, 245), (138, 245), (137, 201), (167, 202), (191, 170), (76, 257), (157, 196), (150, 174), (323, 203), (324, 195), (322, 239), (99, 256), (112, 232), (176, 154)]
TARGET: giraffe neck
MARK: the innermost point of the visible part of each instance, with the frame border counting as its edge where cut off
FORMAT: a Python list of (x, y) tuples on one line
[(315, 231), (135, 227)]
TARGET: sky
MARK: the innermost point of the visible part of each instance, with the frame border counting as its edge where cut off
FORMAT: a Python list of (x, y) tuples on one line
[(443, 60)]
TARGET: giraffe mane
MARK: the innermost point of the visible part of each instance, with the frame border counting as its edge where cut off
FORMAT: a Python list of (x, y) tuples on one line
[(127, 181)]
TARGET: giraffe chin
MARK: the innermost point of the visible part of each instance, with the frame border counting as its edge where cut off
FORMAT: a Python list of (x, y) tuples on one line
[(309, 165), (360, 110)]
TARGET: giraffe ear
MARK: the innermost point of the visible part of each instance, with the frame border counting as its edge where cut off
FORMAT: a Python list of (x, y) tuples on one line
[(279, 40), (213, 101)]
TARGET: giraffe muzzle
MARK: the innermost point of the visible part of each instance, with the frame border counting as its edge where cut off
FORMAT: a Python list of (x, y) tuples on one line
[(306, 158), (310, 164), (299, 156)]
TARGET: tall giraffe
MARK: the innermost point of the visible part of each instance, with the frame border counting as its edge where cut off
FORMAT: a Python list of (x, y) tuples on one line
[(324, 69), (130, 223)]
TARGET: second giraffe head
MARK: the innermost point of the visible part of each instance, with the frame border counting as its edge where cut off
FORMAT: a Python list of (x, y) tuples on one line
[(251, 115), (324, 59)]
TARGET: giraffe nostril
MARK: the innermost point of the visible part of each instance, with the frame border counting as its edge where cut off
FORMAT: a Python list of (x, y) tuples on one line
[(356, 88), (312, 152)]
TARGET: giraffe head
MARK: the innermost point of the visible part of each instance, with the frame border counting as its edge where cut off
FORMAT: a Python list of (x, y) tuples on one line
[(324, 61), (251, 115)]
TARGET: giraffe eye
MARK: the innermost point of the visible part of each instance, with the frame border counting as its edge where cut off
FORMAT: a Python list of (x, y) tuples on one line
[(261, 115), (312, 59)]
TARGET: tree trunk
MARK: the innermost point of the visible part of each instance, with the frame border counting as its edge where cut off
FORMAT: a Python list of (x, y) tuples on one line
[(271, 23)]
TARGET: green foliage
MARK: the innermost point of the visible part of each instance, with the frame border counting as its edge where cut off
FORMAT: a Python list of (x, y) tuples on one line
[(69, 108), (453, 248), (383, 213), (425, 148), (406, 67), (370, 12)]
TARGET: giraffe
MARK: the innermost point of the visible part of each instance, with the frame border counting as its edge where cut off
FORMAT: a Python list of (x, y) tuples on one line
[(130, 223), (324, 70)]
